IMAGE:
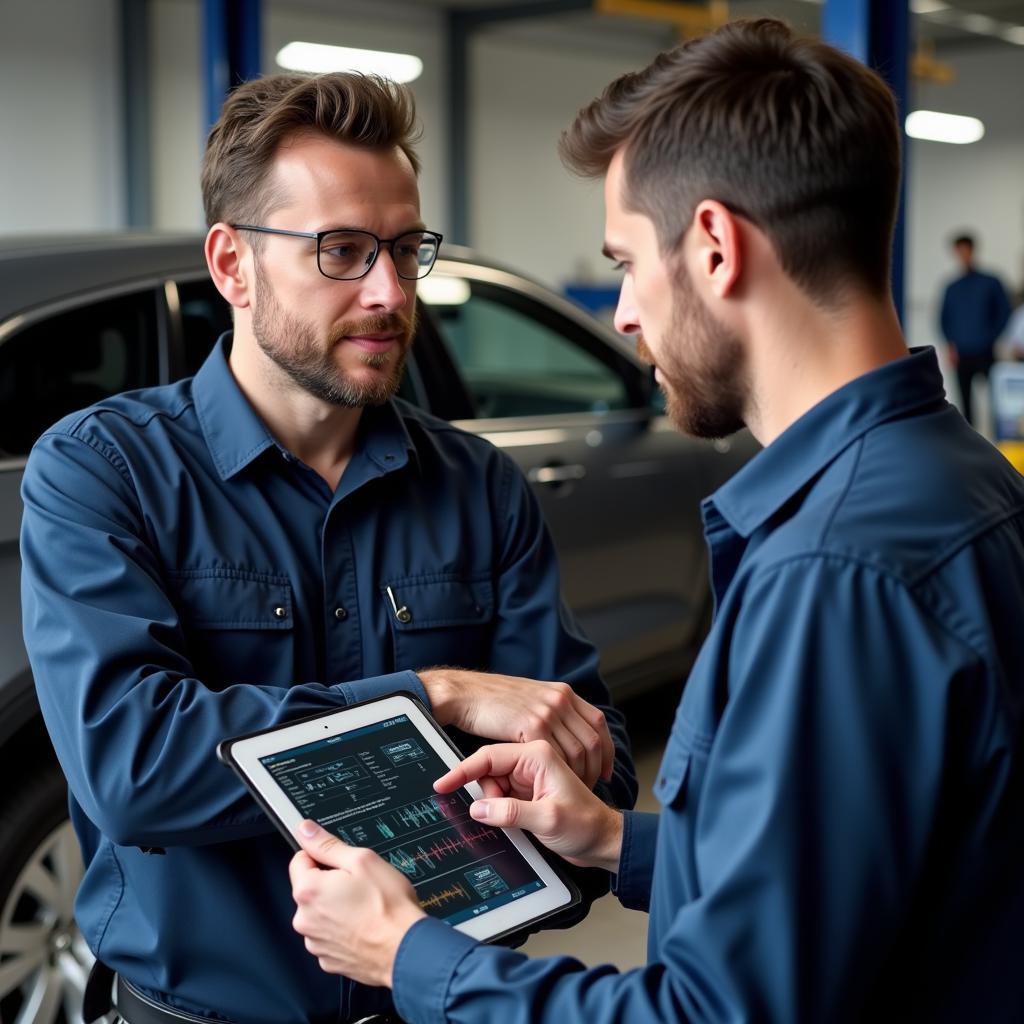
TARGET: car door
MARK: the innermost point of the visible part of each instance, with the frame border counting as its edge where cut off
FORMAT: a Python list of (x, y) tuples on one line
[(620, 489)]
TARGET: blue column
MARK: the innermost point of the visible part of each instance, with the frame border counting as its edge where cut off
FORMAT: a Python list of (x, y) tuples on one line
[(138, 194), (877, 32), (231, 49)]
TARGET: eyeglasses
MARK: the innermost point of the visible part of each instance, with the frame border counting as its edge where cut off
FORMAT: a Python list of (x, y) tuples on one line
[(346, 254)]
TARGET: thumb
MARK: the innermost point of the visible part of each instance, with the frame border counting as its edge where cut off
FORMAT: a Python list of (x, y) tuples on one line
[(505, 812), (320, 844)]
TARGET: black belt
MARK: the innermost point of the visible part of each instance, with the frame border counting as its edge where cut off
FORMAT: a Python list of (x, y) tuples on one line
[(137, 1008)]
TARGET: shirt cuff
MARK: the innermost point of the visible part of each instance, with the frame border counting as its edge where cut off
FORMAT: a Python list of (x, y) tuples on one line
[(632, 884), (380, 686), (427, 958)]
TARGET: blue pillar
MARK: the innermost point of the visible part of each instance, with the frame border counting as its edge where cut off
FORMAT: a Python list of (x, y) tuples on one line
[(231, 49), (138, 193), (877, 32)]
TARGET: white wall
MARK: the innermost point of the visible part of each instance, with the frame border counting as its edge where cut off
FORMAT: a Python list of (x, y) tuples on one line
[(61, 163), (178, 128), (525, 207), (60, 119)]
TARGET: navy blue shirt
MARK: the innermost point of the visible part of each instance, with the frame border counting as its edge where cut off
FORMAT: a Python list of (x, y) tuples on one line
[(975, 309), (187, 579), (842, 827)]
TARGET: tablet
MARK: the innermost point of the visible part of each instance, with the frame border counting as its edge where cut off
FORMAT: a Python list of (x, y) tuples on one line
[(365, 773)]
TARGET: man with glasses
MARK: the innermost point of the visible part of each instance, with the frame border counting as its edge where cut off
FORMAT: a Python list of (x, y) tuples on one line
[(273, 538)]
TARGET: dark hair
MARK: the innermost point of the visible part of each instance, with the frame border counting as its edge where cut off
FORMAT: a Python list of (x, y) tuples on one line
[(259, 115), (963, 240), (788, 132)]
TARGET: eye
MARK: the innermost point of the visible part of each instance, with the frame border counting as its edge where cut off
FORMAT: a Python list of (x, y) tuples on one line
[(339, 250)]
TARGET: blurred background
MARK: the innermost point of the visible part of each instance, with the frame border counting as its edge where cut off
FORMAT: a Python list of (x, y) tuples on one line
[(105, 105)]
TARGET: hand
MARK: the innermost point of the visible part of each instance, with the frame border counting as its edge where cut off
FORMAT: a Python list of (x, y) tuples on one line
[(954, 356), (513, 708), (355, 917), (529, 786)]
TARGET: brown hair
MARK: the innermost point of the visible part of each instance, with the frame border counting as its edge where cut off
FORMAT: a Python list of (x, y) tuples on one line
[(788, 132), (259, 115)]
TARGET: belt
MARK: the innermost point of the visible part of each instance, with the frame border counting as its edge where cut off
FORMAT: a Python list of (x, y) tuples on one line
[(137, 1008)]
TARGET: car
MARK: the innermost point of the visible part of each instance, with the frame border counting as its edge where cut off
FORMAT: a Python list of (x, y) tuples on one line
[(496, 353)]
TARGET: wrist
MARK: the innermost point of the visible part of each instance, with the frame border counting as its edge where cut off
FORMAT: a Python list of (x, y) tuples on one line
[(607, 849), (440, 692), (403, 921)]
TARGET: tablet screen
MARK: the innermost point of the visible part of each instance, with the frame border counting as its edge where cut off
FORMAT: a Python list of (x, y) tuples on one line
[(372, 786)]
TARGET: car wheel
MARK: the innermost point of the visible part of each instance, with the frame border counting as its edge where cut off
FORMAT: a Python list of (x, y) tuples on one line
[(44, 961)]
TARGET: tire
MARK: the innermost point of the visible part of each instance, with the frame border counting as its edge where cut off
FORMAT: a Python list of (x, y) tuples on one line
[(44, 961)]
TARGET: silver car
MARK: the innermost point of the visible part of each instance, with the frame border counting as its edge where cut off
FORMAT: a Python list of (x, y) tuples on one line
[(497, 354)]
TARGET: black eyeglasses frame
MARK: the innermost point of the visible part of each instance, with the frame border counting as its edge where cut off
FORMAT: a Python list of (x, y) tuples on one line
[(378, 243)]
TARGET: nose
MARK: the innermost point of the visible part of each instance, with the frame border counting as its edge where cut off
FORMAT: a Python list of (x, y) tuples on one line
[(626, 320), (382, 289)]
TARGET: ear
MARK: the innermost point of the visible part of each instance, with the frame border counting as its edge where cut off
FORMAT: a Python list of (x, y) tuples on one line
[(224, 257), (717, 243)]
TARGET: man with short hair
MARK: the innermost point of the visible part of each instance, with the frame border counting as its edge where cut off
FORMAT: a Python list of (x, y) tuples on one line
[(975, 309), (840, 835), (274, 538)]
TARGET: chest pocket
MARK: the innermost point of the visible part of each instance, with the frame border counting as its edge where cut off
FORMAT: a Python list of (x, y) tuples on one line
[(440, 620), (238, 625), (681, 774)]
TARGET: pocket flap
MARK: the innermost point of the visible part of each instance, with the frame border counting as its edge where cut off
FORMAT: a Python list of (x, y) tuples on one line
[(233, 599), (670, 785), (430, 602)]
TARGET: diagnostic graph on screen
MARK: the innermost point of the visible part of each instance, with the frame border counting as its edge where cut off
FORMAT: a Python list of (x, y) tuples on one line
[(372, 787)]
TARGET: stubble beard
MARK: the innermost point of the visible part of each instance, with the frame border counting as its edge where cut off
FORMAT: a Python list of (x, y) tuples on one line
[(703, 366), (308, 361)]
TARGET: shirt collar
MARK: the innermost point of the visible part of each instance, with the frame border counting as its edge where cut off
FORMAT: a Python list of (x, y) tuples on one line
[(235, 434), (802, 451)]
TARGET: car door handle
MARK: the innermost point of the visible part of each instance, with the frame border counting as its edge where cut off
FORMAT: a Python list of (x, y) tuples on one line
[(555, 474)]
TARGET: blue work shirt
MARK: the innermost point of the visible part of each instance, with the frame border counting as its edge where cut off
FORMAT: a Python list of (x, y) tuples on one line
[(842, 827), (975, 309), (187, 579)]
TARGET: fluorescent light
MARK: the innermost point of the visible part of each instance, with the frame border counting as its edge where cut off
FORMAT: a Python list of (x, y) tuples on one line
[(980, 23), (399, 67), (439, 290), (1014, 35), (927, 6), (935, 127)]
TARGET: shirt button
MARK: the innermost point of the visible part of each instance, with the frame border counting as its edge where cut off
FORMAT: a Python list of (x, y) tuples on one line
[(340, 614), (281, 613)]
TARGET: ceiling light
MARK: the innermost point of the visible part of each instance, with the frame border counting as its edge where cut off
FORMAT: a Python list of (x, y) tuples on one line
[(927, 6), (1014, 35), (316, 57), (935, 127)]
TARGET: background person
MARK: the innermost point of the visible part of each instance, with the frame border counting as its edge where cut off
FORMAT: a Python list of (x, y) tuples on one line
[(840, 835), (273, 538), (975, 308)]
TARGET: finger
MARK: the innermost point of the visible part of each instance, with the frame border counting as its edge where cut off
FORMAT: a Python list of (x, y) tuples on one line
[(492, 787), (506, 813), (595, 718), (570, 748), (299, 868), (497, 759), (324, 848)]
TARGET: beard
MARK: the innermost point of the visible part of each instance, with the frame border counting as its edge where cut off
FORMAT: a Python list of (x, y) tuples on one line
[(308, 361), (702, 366)]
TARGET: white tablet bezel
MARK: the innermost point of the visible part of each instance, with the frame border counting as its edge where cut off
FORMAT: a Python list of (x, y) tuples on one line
[(245, 753)]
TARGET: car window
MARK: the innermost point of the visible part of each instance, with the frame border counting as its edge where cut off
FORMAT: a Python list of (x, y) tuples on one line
[(205, 316), (72, 359), (520, 359)]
